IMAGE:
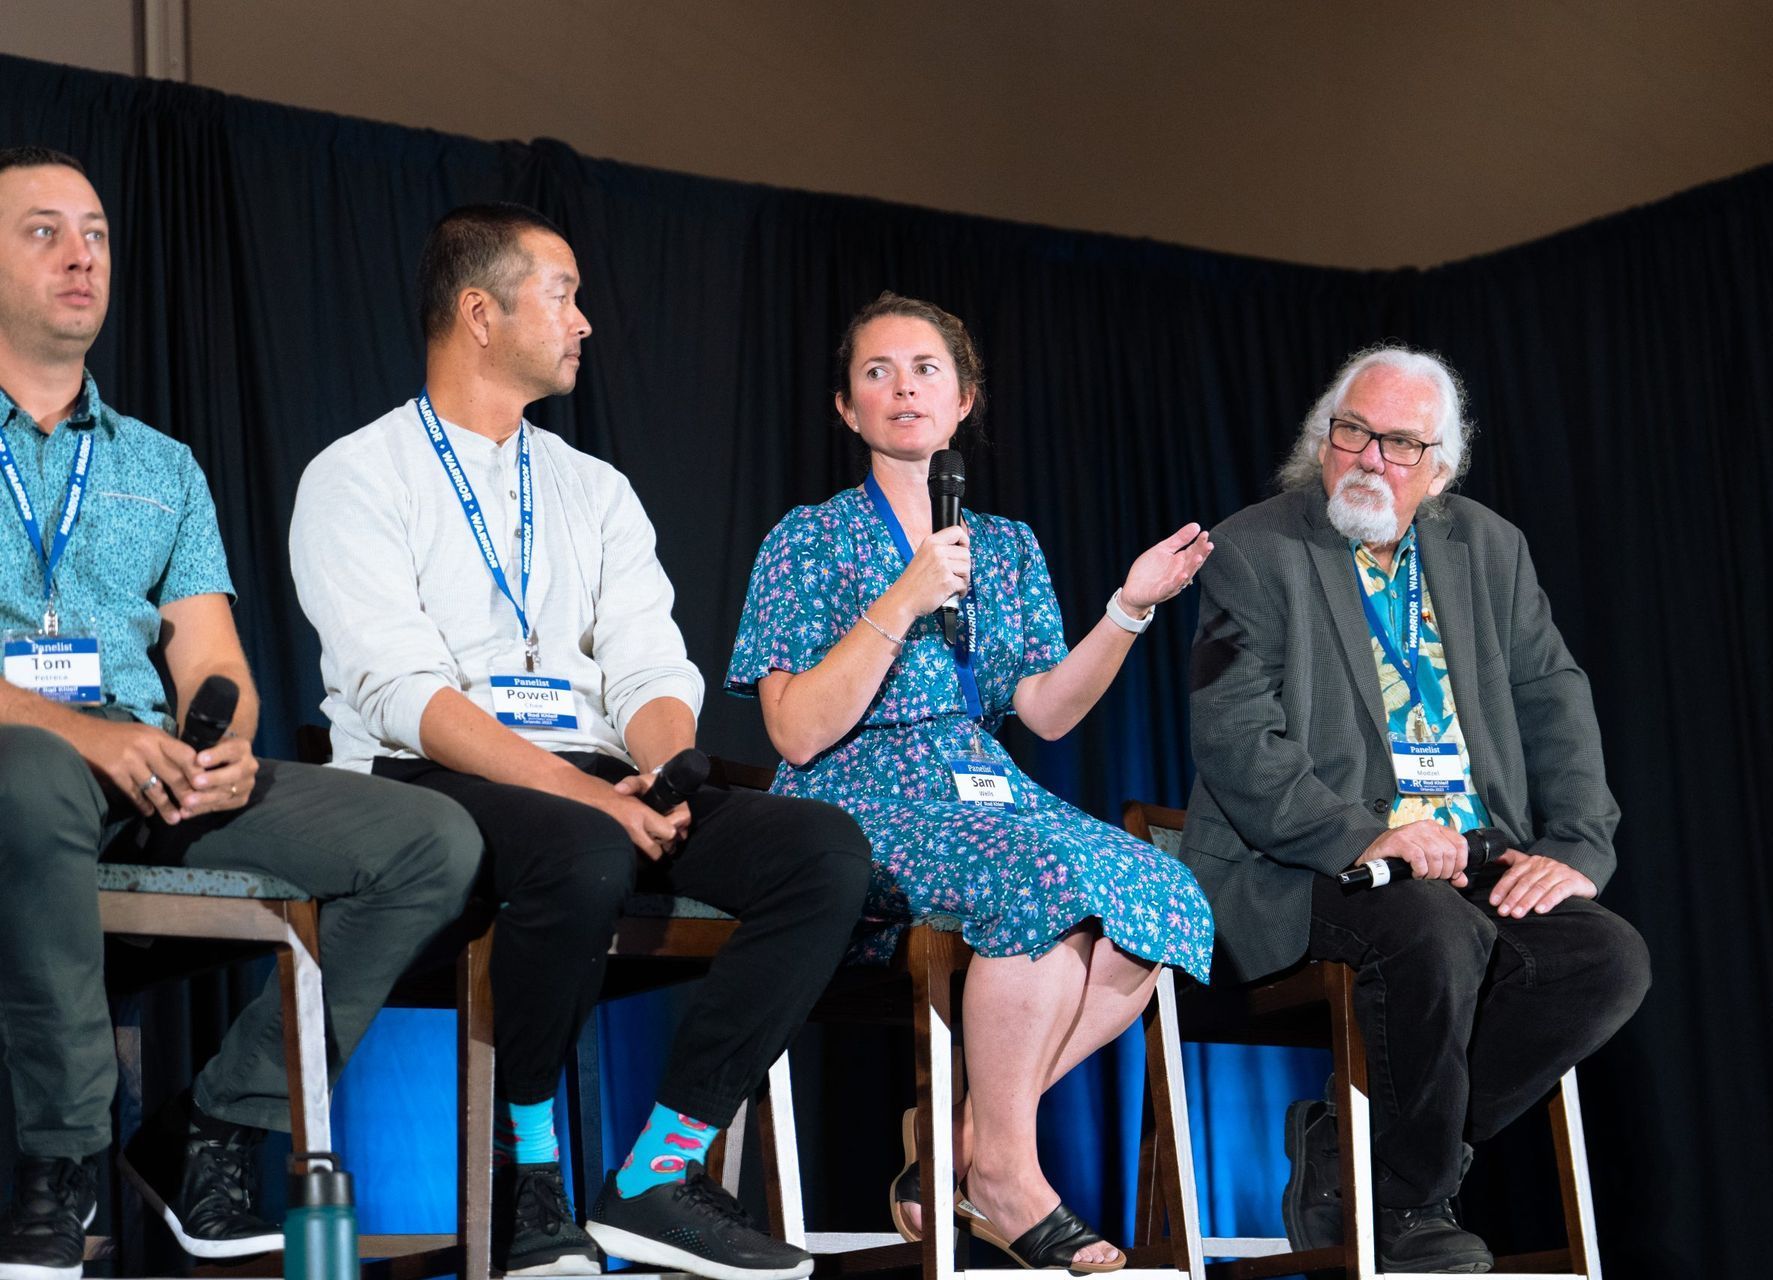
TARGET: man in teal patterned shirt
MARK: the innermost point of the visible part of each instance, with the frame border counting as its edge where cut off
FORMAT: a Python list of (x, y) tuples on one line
[(109, 547), (1377, 673)]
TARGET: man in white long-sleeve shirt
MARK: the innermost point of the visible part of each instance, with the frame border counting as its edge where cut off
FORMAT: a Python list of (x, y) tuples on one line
[(495, 625)]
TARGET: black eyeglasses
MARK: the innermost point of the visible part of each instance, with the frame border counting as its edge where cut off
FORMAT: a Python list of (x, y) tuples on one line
[(1351, 437)]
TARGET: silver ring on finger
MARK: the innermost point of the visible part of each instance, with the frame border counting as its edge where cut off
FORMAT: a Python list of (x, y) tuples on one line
[(152, 782)]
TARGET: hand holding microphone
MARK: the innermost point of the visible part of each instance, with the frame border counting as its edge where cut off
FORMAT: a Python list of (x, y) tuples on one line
[(948, 481), (677, 780), (232, 770), (1436, 848)]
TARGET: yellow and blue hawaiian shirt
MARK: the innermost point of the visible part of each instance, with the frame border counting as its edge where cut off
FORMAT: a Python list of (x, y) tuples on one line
[(146, 536), (1435, 718)]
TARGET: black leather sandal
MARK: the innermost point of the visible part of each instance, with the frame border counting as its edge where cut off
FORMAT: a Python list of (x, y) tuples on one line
[(1051, 1242), (907, 1188)]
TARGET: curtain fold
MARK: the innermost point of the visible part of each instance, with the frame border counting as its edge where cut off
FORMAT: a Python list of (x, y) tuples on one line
[(265, 304)]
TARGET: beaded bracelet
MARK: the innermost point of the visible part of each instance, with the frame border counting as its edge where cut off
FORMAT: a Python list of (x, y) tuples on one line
[(898, 642)]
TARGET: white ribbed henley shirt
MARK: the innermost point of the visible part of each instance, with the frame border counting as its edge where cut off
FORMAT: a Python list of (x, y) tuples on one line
[(390, 575)]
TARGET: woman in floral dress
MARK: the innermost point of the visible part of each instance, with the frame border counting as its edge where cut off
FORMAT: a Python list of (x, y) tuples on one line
[(872, 709)]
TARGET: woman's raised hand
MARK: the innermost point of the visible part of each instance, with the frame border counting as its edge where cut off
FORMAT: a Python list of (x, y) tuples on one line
[(1164, 570)]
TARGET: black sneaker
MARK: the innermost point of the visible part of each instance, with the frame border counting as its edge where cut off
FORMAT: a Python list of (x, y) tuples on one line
[(43, 1235), (693, 1226), (202, 1184), (533, 1229), (1311, 1206), (1429, 1239)]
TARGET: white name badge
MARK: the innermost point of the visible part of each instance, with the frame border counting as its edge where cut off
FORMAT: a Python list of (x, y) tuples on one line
[(982, 782), (533, 702), (61, 668), (1428, 768)]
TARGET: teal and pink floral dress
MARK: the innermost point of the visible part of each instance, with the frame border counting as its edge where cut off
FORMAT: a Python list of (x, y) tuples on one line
[(1016, 879)]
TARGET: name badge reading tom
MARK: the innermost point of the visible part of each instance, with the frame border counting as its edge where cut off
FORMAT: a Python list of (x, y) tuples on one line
[(982, 782), (60, 668), (1428, 768), (533, 702)]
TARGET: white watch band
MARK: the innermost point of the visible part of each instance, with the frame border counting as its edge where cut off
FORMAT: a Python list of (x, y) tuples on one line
[(1124, 620)]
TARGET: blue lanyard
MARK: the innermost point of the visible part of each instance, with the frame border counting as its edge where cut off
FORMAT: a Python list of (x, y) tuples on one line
[(963, 652), (526, 517), (52, 554), (1406, 661)]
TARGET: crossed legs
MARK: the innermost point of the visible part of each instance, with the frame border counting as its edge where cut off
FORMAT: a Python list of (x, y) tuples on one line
[(1041, 1017)]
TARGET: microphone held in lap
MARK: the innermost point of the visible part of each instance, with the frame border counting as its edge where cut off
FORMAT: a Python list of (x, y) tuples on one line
[(1481, 845), (677, 780), (211, 712)]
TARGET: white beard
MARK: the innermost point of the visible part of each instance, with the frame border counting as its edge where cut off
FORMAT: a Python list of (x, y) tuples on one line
[(1363, 521)]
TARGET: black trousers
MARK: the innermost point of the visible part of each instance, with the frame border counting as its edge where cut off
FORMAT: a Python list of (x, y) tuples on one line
[(794, 872), (1469, 1018)]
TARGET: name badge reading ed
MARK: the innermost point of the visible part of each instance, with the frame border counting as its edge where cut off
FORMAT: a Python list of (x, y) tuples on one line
[(1428, 768)]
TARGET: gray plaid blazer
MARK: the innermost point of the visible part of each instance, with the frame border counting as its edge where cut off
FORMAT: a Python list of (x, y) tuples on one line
[(1292, 757)]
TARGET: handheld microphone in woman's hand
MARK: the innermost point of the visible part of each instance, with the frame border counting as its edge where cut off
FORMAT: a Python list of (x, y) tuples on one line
[(677, 780), (210, 713), (948, 480), (1481, 846)]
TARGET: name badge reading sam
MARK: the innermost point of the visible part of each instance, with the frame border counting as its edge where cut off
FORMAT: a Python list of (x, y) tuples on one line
[(60, 668), (982, 782), (533, 702), (1428, 768)]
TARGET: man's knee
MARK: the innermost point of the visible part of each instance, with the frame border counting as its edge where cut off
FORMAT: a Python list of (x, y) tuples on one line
[(836, 854), (1621, 954), (583, 866), (45, 786), (446, 848)]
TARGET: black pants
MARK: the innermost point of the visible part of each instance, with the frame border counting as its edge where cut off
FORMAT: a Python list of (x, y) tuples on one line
[(794, 872), (1469, 1018)]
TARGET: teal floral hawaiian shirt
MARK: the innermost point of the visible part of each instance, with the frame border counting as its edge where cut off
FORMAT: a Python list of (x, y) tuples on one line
[(1435, 718)]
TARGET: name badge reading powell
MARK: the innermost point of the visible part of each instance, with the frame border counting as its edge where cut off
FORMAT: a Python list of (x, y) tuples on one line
[(1428, 768), (533, 702), (982, 782), (60, 668)]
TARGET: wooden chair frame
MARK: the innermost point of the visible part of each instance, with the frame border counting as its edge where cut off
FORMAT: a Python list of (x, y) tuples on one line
[(1309, 1004), (291, 928)]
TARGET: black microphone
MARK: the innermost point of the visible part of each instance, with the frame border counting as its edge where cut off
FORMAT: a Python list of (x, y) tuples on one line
[(210, 713), (1481, 846), (677, 780), (948, 480)]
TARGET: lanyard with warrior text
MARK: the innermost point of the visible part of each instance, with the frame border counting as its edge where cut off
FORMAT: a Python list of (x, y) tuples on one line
[(458, 479), (52, 552), (963, 651), (1406, 661)]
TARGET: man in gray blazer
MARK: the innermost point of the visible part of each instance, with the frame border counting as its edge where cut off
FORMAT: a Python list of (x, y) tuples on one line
[(1377, 672)]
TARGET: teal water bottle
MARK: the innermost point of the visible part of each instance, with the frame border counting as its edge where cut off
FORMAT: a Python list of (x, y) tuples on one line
[(320, 1226)]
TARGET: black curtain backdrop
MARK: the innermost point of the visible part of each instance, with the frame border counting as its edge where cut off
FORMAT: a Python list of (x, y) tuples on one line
[(264, 305)]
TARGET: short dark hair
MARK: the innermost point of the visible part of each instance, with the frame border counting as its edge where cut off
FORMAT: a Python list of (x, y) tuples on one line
[(968, 368), (475, 246), (30, 157)]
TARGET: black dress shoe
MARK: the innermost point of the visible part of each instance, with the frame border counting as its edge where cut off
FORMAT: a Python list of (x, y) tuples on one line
[(694, 1226), (1311, 1205), (1429, 1239), (534, 1233), (43, 1235), (201, 1178)]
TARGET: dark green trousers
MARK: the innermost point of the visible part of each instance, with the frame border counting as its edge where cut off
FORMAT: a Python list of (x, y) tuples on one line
[(390, 864)]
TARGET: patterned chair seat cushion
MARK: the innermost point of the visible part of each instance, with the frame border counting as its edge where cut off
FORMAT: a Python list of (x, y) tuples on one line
[(131, 877)]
